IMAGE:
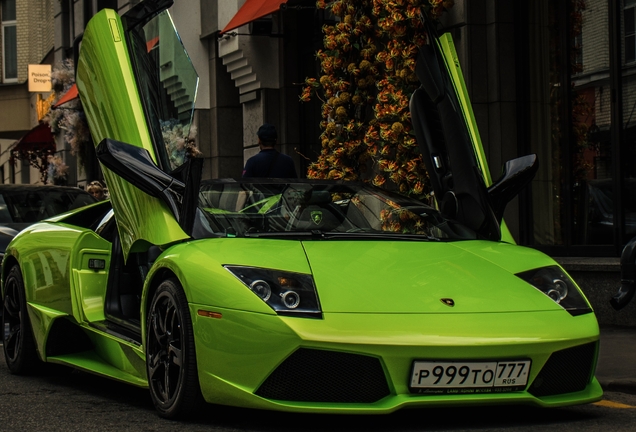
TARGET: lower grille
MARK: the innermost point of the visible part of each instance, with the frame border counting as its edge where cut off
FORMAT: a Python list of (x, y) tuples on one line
[(310, 375), (566, 371)]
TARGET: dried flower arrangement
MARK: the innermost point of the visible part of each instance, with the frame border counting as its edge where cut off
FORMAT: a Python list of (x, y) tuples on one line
[(57, 170), (68, 118), (368, 76), (179, 142), (71, 120)]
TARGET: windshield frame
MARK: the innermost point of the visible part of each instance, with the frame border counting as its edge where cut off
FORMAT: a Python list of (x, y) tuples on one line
[(308, 209)]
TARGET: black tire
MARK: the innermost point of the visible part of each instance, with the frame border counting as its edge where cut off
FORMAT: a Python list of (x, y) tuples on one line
[(17, 335), (170, 354)]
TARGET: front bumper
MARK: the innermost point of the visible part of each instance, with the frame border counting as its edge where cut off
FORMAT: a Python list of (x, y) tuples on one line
[(244, 358)]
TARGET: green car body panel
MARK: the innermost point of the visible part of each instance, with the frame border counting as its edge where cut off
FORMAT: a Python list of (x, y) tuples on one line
[(358, 316), (447, 48), (396, 299), (109, 95), (234, 371), (60, 286)]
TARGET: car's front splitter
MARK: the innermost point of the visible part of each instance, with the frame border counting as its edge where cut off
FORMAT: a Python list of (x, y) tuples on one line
[(262, 361)]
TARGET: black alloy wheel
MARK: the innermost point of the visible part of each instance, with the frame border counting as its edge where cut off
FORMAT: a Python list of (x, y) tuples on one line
[(170, 353), (17, 336)]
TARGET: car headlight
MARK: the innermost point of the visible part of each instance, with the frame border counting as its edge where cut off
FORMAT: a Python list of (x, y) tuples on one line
[(287, 293), (554, 283)]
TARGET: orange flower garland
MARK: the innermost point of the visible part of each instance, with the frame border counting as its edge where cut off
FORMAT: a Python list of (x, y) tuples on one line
[(368, 76)]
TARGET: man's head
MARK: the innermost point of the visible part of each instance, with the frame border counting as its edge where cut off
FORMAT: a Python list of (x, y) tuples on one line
[(267, 135)]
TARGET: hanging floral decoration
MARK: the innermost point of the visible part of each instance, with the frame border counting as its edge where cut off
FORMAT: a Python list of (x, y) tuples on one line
[(57, 170), (179, 141), (68, 118), (367, 78)]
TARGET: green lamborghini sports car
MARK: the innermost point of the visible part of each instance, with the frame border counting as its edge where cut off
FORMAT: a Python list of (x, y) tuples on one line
[(291, 295)]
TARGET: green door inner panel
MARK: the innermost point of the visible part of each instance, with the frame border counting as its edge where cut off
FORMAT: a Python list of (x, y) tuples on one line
[(88, 289), (452, 64), (109, 95), (91, 289)]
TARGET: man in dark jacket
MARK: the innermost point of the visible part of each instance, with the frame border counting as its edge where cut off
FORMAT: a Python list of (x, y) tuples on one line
[(269, 162)]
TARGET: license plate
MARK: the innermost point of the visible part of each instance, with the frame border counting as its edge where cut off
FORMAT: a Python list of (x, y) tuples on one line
[(438, 377)]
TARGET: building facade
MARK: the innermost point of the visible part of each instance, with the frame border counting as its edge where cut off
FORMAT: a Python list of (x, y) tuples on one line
[(551, 77), (26, 37)]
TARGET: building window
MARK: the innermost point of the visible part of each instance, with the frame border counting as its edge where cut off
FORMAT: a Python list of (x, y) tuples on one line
[(578, 53), (580, 120), (106, 4), (629, 17), (9, 42)]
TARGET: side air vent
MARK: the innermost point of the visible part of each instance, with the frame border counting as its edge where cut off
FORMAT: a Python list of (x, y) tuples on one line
[(566, 371), (66, 338), (310, 375)]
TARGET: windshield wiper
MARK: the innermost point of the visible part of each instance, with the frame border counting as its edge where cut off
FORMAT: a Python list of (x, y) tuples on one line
[(327, 235), (379, 236), (283, 234)]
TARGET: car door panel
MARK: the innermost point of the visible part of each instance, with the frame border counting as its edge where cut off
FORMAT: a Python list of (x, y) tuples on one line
[(113, 108)]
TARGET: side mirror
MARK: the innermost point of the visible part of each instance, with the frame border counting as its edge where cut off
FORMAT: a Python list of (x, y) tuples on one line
[(135, 165), (628, 275), (179, 190), (517, 173)]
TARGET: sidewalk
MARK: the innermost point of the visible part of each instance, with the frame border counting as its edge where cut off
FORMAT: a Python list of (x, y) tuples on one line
[(616, 370)]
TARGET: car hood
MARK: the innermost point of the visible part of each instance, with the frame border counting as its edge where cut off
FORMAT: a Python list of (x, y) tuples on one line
[(413, 277)]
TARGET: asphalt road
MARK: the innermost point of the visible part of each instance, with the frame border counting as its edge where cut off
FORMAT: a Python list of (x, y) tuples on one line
[(77, 401)]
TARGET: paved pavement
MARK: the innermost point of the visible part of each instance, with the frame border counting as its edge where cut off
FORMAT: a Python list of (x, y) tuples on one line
[(616, 369)]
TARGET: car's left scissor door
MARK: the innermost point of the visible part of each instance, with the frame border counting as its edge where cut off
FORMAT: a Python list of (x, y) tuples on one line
[(137, 85)]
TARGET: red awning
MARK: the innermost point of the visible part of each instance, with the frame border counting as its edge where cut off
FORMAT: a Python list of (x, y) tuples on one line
[(253, 10), (39, 138), (152, 43), (70, 95)]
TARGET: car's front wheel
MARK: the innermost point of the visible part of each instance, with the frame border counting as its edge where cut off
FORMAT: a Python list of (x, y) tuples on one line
[(17, 336), (170, 353)]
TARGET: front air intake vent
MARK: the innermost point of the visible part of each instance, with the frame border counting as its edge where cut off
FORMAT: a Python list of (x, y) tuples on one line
[(566, 371), (310, 375)]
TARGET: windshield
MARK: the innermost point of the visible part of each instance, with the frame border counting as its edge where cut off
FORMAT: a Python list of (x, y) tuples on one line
[(246, 208), (168, 86)]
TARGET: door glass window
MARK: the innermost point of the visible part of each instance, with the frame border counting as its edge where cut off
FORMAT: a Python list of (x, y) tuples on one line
[(9, 42), (168, 87)]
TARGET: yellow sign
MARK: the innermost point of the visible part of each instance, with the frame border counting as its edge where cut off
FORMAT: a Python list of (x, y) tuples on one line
[(40, 78), (43, 106)]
